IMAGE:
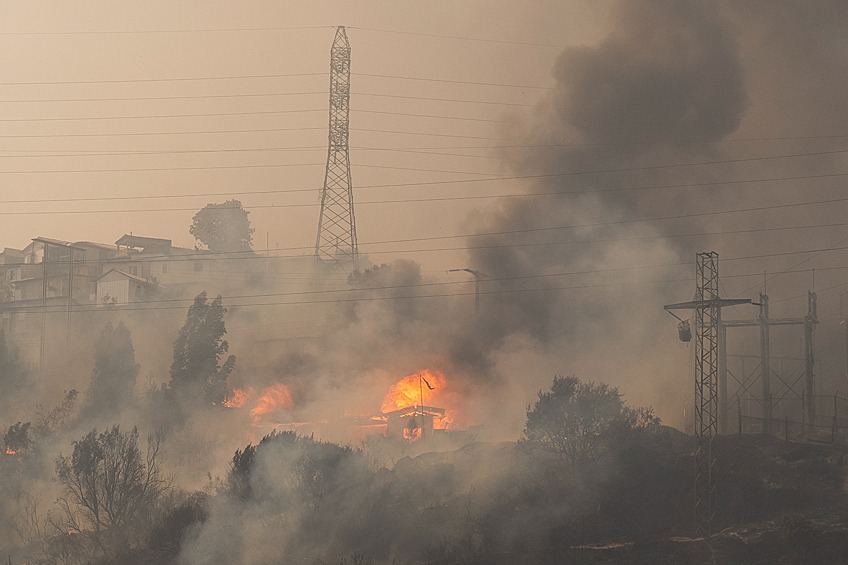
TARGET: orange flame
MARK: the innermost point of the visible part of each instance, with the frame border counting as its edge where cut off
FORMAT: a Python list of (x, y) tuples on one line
[(412, 434), (10, 451), (410, 389), (273, 398), (447, 421), (239, 398)]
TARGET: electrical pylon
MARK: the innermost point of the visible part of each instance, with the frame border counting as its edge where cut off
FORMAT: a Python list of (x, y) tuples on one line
[(335, 246), (707, 306)]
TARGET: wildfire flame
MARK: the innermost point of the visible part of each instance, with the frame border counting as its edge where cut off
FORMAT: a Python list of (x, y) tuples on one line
[(10, 451), (273, 398), (239, 398), (413, 390), (412, 434), (410, 389)]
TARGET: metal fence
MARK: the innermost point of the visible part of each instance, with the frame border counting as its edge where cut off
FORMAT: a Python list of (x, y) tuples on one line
[(792, 421)]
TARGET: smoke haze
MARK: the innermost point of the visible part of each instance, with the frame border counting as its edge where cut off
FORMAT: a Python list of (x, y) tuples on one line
[(659, 117)]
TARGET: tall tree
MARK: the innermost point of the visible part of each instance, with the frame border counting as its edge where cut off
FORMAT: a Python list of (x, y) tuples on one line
[(576, 421), (115, 372), (7, 289), (109, 486), (13, 372), (223, 227), (197, 371)]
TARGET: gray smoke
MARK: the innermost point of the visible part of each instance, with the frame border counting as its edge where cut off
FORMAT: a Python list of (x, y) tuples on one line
[(673, 83)]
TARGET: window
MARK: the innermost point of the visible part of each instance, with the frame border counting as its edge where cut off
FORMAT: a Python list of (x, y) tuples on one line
[(198, 266)]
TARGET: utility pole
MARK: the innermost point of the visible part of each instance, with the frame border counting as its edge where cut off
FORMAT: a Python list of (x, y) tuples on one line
[(336, 244), (844, 322), (477, 276), (44, 287), (707, 306), (765, 360), (70, 297), (810, 322)]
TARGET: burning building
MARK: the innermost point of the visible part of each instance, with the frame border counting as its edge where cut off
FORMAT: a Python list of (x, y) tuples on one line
[(413, 423)]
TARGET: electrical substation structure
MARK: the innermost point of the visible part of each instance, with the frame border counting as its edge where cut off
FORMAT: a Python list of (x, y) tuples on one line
[(336, 247), (710, 389), (800, 387)]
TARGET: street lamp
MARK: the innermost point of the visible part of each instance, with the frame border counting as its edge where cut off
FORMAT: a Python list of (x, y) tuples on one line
[(477, 276)]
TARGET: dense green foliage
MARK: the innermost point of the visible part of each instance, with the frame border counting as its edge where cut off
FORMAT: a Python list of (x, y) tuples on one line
[(576, 421), (17, 438), (115, 371), (13, 372), (109, 485), (197, 372), (223, 227), (7, 289)]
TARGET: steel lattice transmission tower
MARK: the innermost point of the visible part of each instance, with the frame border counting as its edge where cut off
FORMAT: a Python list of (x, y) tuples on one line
[(336, 245), (707, 306), (707, 317)]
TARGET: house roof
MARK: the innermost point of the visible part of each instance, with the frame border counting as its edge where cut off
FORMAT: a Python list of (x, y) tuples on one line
[(130, 240), (127, 275), (414, 411), (95, 244), (58, 242)]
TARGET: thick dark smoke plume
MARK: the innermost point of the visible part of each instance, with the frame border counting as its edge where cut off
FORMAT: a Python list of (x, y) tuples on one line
[(664, 86), (672, 84)]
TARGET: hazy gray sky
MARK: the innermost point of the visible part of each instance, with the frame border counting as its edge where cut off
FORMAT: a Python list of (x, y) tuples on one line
[(87, 111)]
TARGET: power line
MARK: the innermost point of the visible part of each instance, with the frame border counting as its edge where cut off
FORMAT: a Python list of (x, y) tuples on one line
[(101, 153), (267, 76), (364, 165), (240, 255), (600, 240), (163, 31), (171, 97), (412, 285), (405, 114), (95, 308), (206, 256), (791, 268), (550, 175), (430, 98), (234, 131), (157, 116), (277, 28), (432, 284), (172, 79), (261, 94), (425, 134), (524, 195), (460, 37), (418, 200), (38, 154), (450, 81)]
